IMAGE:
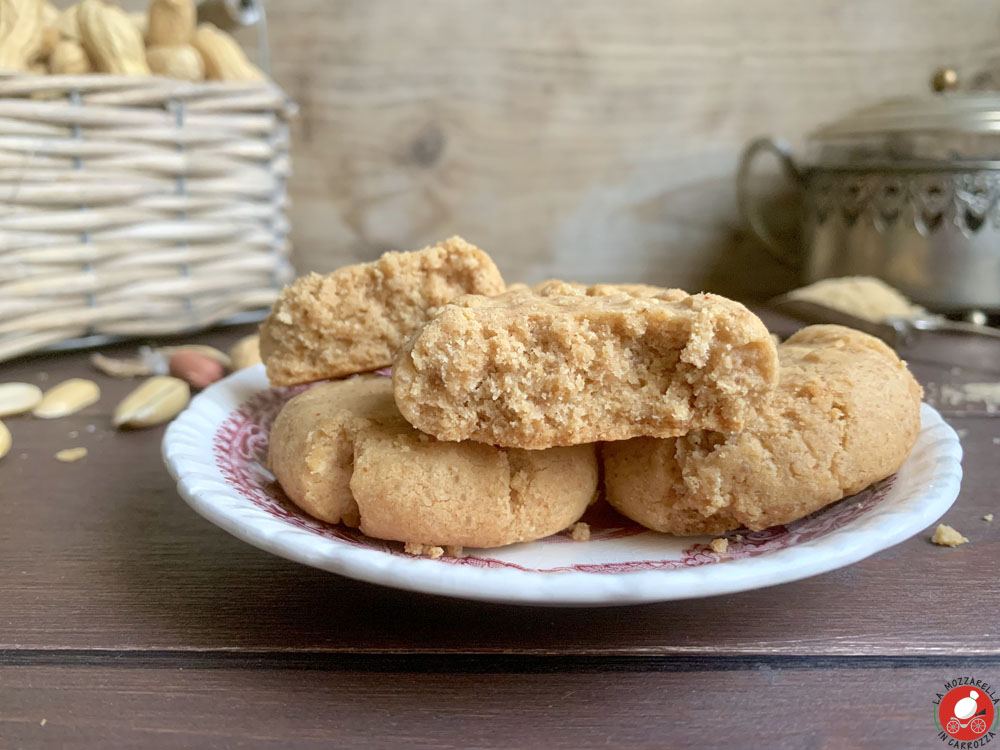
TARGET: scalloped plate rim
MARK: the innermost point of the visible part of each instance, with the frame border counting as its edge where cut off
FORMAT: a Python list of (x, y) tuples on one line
[(203, 488)]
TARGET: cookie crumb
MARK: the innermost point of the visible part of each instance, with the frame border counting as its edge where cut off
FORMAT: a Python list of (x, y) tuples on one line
[(423, 550), (454, 550), (68, 455), (579, 532), (946, 536), (987, 394), (738, 538), (43, 722), (719, 546), (988, 517)]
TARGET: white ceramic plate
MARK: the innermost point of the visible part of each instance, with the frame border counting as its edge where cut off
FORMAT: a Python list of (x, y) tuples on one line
[(216, 450)]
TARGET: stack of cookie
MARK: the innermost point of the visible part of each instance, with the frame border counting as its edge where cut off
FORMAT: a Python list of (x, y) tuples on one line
[(506, 406)]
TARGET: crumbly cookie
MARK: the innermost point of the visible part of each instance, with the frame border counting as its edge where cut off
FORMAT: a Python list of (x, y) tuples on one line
[(558, 288), (845, 414), (343, 453), (356, 318), (565, 364), (863, 296)]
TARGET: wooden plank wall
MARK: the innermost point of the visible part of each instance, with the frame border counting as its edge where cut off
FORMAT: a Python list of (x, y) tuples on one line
[(585, 139)]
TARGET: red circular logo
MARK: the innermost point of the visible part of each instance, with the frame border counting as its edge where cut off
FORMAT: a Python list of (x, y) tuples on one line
[(966, 712)]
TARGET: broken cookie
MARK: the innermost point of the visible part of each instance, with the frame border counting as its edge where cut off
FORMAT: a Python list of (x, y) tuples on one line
[(846, 414), (356, 318), (564, 364)]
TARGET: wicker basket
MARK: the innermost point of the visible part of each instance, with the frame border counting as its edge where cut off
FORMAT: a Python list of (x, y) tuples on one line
[(137, 206)]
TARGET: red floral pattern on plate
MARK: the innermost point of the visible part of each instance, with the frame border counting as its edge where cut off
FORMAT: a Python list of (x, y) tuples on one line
[(240, 448)]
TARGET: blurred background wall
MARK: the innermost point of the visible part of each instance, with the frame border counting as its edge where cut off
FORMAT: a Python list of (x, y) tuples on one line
[(587, 139)]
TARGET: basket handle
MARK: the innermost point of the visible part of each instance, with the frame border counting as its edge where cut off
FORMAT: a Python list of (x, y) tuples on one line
[(749, 208)]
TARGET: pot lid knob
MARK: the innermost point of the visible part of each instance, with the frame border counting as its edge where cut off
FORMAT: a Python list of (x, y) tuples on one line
[(944, 79)]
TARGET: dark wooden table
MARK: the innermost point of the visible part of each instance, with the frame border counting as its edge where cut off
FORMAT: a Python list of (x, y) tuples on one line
[(128, 621)]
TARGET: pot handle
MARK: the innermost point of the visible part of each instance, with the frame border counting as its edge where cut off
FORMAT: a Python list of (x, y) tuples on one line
[(749, 209)]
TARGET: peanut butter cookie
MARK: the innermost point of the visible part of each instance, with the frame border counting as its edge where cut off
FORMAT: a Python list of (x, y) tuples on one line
[(565, 364), (846, 414), (356, 318), (343, 453)]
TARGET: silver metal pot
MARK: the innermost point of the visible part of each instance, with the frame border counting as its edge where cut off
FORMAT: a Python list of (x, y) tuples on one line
[(907, 191)]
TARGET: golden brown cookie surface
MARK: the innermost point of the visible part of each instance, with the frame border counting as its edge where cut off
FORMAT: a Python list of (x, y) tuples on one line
[(566, 364), (845, 414), (356, 318), (342, 452)]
